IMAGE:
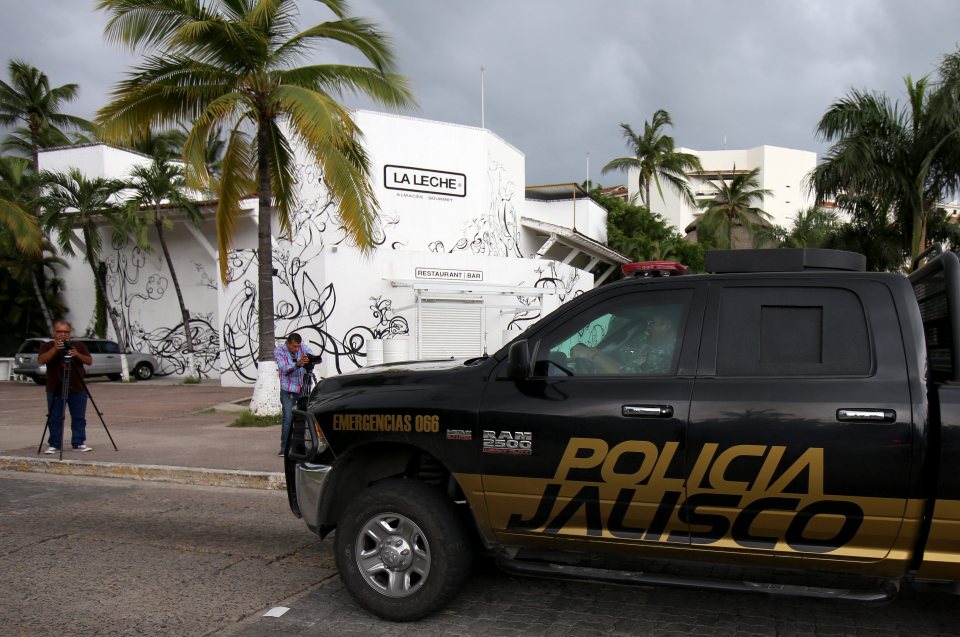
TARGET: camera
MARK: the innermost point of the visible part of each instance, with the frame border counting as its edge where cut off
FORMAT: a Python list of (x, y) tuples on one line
[(68, 344), (311, 361)]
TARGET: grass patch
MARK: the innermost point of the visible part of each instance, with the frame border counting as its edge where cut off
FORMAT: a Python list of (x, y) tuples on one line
[(191, 380), (246, 419)]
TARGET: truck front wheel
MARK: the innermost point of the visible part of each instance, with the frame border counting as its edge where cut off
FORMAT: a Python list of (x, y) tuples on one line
[(402, 551)]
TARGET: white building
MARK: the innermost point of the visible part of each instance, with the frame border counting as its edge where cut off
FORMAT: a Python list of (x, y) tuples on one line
[(466, 257), (783, 171)]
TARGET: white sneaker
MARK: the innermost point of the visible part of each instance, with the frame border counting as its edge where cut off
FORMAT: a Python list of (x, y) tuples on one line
[(52, 450), (83, 448)]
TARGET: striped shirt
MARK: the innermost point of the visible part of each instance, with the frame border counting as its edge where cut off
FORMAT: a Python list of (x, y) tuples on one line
[(291, 376)]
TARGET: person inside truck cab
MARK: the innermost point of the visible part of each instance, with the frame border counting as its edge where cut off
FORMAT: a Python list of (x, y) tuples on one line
[(641, 350)]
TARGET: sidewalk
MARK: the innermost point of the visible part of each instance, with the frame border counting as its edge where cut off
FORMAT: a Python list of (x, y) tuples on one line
[(164, 431)]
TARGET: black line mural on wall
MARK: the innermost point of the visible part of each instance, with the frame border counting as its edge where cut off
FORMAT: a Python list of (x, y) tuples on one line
[(303, 304), (138, 294), (495, 233), (550, 280)]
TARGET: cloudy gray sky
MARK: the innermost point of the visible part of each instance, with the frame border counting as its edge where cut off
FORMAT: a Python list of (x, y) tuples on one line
[(562, 74)]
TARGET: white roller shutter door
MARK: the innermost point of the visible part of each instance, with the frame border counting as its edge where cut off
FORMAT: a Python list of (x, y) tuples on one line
[(450, 327)]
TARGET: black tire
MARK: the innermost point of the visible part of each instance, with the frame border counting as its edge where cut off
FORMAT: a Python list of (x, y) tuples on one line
[(449, 548), (114, 376), (39, 380), (143, 371)]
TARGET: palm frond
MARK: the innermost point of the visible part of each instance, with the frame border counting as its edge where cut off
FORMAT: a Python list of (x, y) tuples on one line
[(620, 163), (22, 225), (149, 23), (227, 109), (236, 184), (356, 33), (390, 90), (332, 139)]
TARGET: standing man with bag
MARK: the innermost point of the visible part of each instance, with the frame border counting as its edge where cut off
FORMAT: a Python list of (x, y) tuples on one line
[(291, 358), (52, 355)]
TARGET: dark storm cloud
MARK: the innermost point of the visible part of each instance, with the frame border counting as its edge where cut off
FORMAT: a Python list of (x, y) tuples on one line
[(562, 74)]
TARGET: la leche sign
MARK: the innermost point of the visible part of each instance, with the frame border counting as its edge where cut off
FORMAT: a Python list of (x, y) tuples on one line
[(434, 182)]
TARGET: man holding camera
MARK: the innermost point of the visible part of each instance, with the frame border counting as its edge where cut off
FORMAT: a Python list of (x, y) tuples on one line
[(55, 354), (292, 358)]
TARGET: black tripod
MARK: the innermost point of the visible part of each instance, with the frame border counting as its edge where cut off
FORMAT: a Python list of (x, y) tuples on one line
[(64, 394), (309, 380)]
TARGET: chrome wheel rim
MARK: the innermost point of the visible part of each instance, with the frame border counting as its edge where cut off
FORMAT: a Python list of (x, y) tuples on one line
[(393, 555)]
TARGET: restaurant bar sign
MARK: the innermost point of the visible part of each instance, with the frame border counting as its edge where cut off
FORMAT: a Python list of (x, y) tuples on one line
[(434, 182), (439, 274)]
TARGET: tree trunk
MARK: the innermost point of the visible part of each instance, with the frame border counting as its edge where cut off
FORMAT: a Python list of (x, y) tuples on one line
[(103, 290), (265, 247), (647, 201), (35, 148), (266, 393), (919, 238), (42, 302), (184, 314)]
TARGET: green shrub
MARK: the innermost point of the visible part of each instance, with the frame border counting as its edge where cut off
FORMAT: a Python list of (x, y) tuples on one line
[(246, 419)]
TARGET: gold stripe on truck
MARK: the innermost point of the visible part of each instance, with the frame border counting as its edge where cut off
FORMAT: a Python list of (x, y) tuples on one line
[(941, 558)]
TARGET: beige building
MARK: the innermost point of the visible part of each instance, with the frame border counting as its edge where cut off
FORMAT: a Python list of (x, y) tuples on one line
[(783, 171)]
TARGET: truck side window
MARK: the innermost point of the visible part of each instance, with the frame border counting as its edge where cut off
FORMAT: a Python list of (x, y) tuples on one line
[(792, 331), (633, 334)]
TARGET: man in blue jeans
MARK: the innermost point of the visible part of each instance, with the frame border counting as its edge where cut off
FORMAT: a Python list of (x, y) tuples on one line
[(52, 355), (291, 356)]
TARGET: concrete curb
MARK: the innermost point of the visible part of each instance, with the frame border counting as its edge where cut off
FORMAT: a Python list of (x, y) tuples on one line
[(152, 472)]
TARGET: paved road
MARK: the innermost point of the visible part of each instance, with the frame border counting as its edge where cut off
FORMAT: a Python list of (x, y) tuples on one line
[(105, 557)]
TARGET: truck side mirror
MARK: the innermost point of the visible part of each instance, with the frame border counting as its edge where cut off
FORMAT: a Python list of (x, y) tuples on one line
[(518, 361)]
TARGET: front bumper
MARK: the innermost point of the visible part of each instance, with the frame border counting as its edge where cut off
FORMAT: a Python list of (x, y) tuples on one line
[(30, 370), (311, 480)]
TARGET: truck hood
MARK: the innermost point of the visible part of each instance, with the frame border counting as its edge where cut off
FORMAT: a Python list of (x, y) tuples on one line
[(408, 367)]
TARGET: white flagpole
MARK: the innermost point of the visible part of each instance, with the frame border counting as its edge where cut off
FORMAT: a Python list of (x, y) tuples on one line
[(483, 123)]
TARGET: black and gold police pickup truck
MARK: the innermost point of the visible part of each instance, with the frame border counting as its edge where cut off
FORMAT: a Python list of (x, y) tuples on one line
[(789, 413)]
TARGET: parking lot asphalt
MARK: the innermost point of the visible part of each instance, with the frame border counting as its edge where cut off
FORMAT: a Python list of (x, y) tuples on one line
[(157, 423)]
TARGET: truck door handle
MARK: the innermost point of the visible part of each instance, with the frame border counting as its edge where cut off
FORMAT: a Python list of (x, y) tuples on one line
[(648, 411), (866, 415)]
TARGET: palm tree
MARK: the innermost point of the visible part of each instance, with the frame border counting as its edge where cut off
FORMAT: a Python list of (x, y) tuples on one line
[(232, 63), (164, 145), (169, 144), (22, 268), (656, 159), (812, 228), (28, 99), (75, 202), (158, 190), (16, 188), (20, 141), (733, 204), (891, 155), (871, 232)]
